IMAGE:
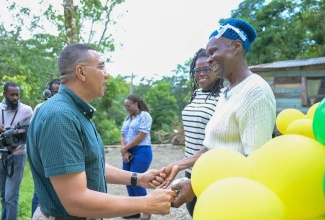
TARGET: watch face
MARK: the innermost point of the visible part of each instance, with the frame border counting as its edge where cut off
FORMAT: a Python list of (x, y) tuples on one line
[(134, 179)]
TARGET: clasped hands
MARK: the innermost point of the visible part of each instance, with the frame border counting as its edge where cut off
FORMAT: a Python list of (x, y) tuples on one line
[(127, 156), (161, 179), (184, 189)]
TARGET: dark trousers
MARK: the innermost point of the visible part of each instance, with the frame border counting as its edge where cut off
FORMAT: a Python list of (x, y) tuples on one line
[(190, 205)]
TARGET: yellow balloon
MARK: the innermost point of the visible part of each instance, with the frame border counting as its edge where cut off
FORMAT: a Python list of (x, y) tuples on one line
[(303, 126), (311, 111), (293, 166), (239, 198), (287, 116), (217, 164), (317, 218)]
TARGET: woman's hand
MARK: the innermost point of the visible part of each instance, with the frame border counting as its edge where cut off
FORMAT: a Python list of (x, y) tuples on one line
[(170, 172), (123, 149), (127, 157), (151, 178)]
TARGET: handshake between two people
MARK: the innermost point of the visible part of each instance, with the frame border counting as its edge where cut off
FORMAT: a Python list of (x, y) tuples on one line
[(182, 191)]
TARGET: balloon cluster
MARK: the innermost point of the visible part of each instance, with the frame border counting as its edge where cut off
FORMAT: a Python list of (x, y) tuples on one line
[(293, 121), (282, 180)]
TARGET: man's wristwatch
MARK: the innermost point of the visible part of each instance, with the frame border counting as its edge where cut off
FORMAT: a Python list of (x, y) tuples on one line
[(134, 179)]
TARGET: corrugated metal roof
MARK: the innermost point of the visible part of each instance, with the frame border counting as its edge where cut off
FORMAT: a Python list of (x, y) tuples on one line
[(290, 63)]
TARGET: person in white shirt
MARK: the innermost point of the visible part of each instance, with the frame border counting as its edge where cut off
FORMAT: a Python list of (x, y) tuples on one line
[(12, 157), (245, 115)]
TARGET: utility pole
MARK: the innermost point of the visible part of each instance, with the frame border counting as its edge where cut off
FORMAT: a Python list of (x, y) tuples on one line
[(131, 85)]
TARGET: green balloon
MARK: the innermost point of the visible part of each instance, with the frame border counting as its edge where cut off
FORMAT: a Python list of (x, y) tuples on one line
[(319, 122)]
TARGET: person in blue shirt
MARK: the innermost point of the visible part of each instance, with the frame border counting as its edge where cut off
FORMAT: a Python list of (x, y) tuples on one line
[(136, 143), (66, 153)]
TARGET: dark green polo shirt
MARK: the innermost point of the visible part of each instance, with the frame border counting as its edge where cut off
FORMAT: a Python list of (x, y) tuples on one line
[(62, 139)]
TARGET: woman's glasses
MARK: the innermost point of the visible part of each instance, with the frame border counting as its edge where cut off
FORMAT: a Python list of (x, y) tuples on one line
[(126, 107), (205, 70)]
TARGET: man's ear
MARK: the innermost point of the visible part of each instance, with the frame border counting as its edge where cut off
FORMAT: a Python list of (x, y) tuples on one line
[(238, 46), (80, 73)]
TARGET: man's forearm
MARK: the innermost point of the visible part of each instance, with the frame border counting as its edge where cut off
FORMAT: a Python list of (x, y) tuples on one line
[(117, 176)]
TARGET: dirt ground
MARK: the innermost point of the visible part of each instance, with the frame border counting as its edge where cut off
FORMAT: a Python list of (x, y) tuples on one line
[(162, 156)]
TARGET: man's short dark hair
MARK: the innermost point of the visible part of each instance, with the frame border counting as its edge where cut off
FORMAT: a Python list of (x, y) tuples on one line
[(71, 55), (7, 84)]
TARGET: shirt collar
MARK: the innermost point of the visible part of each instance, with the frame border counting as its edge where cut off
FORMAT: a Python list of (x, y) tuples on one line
[(86, 109)]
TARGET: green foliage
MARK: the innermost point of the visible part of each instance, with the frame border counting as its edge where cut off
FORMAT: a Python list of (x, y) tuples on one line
[(97, 16), (109, 131), (110, 112), (26, 192), (286, 29), (143, 87), (180, 86), (166, 98), (33, 60), (37, 57), (163, 106)]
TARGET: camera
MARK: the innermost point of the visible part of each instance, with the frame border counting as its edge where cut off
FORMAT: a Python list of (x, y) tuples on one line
[(11, 138)]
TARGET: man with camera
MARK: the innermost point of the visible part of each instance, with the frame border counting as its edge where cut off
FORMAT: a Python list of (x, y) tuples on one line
[(14, 119)]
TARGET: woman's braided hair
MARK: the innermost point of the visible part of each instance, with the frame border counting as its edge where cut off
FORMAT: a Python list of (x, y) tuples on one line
[(218, 84), (141, 103)]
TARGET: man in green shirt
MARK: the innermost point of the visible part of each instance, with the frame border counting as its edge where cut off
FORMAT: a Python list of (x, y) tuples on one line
[(66, 152)]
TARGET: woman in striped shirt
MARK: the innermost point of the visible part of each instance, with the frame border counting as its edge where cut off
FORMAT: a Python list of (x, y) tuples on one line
[(204, 97)]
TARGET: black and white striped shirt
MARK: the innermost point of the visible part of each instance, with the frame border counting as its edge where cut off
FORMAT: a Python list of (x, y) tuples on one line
[(195, 116)]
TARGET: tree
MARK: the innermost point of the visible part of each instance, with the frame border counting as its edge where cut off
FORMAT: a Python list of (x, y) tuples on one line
[(110, 112), (180, 86), (32, 60), (70, 21), (285, 29), (312, 17), (163, 106)]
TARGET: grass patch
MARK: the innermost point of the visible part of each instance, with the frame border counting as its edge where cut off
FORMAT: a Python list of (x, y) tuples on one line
[(26, 192)]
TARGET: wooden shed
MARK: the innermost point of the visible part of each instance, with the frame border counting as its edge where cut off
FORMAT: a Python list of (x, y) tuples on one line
[(296, 83)]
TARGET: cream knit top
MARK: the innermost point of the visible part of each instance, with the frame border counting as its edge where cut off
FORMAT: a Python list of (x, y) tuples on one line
[(244, 118)]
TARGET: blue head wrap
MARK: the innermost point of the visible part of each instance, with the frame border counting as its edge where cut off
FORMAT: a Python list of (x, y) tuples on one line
[(236, 29)]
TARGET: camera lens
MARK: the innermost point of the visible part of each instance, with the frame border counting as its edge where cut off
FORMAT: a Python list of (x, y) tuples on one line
[(16, 139)]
